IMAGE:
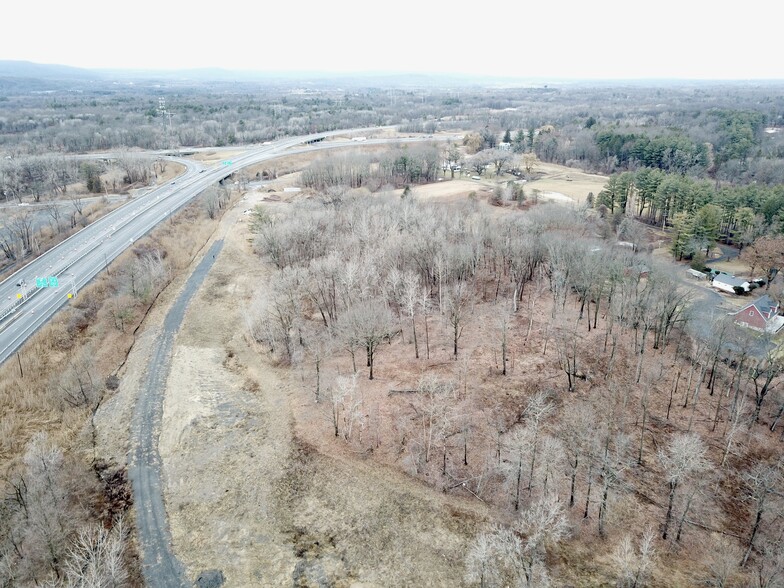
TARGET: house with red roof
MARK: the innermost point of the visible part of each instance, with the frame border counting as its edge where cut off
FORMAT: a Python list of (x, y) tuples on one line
[(761, 315)]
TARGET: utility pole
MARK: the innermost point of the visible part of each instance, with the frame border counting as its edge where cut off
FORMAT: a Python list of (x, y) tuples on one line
[(72, 278)]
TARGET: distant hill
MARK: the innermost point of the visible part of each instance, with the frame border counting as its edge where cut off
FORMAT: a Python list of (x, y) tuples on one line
[(36, 76), (307, 78), (28, 69), (24, 77)]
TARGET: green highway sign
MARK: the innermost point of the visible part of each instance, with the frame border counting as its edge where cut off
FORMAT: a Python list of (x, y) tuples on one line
[(48, 282)]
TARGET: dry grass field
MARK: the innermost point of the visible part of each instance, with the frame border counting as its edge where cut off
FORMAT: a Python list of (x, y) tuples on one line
[(573, 184), (565, 180)]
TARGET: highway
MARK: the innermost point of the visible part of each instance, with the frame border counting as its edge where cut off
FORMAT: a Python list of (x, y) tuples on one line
[(25, 307)]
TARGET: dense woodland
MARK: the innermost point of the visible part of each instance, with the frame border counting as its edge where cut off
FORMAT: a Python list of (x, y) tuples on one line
[(569, 384), (527, 363)]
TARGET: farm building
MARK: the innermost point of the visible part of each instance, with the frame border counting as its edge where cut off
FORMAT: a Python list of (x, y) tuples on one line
[(728, 283), (761, 315), (696, 274)]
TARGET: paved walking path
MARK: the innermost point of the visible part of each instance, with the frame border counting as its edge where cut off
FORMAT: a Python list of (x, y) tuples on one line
[(160, 566)]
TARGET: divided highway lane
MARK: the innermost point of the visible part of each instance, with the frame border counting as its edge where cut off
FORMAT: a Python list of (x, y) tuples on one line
[(79, 258), (75, 261)]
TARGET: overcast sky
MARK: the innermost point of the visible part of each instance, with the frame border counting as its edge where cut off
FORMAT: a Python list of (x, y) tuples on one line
[(604, 39)]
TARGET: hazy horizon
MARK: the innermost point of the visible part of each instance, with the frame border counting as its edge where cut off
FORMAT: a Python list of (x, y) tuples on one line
[(608, 40), (28, 69)]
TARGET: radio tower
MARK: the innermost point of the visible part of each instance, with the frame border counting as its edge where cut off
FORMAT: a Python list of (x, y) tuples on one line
[(169, 114)]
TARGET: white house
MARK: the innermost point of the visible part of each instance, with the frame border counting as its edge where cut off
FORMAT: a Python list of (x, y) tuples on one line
[(728, 283)]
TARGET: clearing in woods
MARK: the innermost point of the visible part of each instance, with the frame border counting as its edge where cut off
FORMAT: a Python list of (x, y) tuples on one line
[(566, 180), (556, 182)]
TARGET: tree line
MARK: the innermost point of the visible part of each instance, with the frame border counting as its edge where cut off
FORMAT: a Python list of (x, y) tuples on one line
[(417, 164), (721, 128), (737, 214)]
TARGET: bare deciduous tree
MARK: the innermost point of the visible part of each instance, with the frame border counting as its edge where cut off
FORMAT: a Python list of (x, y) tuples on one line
[(766, 253), (55, 213), (134, 166), (22, 225), (499, 158), (368, 324), (519, 444), (410, 301), (504, 320), (275, 313), (613, 463), (323, 276), (479, 162), (683, 460), (78, 203), (765, 482), (76, 383), (770, 567), (452, 158), (762, 376), (567, 342), (541, 525), (481, 562), (457, 309), (635, 562), (577, 433), (539, 408), (433, 412), (214, 199), (530, 163), (341, 393), (722, 564), (516, 556), (45, 496), (740, 420), (96, 559), (319, 345), (9, 244)]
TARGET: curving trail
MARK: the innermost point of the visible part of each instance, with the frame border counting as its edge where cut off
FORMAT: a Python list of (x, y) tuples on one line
[(159, 565)]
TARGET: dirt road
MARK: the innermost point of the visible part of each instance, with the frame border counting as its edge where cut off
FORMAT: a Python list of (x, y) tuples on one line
[(160, 566)]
